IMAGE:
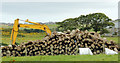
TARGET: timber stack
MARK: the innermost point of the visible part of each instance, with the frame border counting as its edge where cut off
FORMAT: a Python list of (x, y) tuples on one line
[(62, 43)]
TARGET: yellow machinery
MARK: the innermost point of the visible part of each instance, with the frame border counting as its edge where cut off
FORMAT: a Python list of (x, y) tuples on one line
[(35, 26)]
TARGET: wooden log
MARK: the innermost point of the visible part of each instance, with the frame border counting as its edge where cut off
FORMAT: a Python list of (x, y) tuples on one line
[(62, 43)]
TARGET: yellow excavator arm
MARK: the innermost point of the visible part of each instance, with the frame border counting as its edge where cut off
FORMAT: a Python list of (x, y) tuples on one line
[(35, 26)]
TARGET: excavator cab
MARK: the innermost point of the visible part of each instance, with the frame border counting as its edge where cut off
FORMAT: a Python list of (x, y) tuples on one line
[(34, 25)]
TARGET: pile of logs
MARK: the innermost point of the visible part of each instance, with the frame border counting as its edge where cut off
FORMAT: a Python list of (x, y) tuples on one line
[(60, 43)]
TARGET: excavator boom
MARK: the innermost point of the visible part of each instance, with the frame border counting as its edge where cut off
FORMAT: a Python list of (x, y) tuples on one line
[(35, 26), (41, 27)]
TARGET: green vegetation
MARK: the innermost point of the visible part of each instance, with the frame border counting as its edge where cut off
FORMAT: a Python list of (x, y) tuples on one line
[(101, 57), (112, 38), (95, 21), (52, 25), (38, 36), (25, 37), (20, 39)]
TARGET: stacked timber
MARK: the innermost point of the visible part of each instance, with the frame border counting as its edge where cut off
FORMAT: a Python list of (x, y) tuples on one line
[(60, 43)]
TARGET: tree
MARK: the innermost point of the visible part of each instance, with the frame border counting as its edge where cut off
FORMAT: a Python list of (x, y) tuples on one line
[(104, 31), (100, 21), (70, 24), (84, 22), (95, 21)]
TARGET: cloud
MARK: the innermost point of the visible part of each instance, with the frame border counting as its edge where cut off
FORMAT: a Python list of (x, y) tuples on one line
[(54, 11)]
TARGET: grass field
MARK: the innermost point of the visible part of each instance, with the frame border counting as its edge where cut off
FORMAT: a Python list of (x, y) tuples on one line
[(52, 25), (28, 37), (38, 36), (101, 57), (112, 38)]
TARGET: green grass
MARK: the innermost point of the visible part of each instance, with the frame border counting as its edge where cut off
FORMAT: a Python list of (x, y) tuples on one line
[(115, 39), (52, 25), (101, 57), (40, 36)]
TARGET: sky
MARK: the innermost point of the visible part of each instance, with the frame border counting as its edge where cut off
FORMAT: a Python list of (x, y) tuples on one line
[(55, 11)]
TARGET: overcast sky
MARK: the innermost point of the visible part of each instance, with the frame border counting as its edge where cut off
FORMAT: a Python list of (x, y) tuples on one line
[(55, 11)]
